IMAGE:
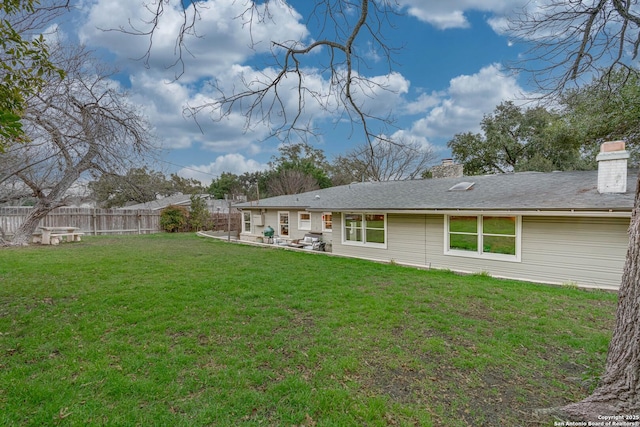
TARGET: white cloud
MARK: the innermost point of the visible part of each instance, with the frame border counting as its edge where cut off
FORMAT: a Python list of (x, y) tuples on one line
[(233, 163), (379, 95), (218, 130), (499, 24), (223, 37), (423, 103), (466, 101), (409, 137), (451, 13), (226, 54)]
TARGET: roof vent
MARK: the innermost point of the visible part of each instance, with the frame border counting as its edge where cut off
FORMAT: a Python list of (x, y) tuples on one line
[(462, 186)]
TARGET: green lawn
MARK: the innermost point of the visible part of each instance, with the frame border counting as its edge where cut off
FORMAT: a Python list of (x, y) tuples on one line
[(181, 330)]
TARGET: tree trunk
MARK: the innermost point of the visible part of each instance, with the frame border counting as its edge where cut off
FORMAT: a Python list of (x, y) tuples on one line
[(23, 234), (619, 390)]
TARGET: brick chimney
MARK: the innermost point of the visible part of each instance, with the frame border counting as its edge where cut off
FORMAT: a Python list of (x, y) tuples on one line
[(612, 167), (447, 169)]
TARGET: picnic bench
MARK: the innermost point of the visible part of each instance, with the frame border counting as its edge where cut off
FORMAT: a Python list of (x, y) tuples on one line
[(54, 235)]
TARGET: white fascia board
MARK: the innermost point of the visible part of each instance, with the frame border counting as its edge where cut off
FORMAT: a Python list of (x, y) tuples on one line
[(611, 213)]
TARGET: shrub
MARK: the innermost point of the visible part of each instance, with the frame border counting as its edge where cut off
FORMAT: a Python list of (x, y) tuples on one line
[(174, 218), (199, 216)]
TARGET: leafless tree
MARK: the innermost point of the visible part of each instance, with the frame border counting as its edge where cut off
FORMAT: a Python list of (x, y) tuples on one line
[(574, 39), (77, 125), (291, 181), (262, 99), (45, 12), (384, 161)]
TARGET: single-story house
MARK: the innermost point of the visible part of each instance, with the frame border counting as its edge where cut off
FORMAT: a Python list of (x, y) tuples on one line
[(558, 228)]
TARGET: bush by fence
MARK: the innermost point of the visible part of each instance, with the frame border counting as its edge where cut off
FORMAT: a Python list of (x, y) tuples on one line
[(105, 221)]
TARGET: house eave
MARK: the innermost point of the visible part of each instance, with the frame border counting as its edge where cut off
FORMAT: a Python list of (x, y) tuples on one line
[(599, 213)]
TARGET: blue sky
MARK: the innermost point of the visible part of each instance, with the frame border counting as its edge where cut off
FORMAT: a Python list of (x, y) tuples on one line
[(448, 74)]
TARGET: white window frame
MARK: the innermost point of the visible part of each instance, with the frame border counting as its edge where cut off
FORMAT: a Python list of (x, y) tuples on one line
[(304, 224), (479, 253), (364, 231), (245, 222), (324, 222), (280, 224)]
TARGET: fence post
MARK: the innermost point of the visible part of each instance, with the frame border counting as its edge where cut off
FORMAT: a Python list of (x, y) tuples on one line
[(94, 220), (228, 220)]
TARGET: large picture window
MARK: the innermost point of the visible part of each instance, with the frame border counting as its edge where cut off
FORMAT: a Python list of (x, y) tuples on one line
[(365, 228), (483, 236)]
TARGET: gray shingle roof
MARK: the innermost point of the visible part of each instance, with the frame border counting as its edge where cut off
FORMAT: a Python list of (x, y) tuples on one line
[(220, 206), (176, 199), (516, 191)]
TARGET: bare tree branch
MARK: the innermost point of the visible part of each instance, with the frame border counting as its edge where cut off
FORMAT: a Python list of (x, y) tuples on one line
[(263, 99), (291, 181), (575, 40), (384, 161)]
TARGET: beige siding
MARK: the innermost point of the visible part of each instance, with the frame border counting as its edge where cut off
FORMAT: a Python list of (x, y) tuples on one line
[(316, 227), (588, 252), (406, 237), (271, 219)]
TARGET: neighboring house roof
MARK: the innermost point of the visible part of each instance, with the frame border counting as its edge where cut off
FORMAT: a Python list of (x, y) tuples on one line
[(576, 190), (213, 205), (176, 199)]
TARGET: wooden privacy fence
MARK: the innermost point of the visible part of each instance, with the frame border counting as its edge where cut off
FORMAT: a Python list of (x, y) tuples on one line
[(88, 220), (103, 221)]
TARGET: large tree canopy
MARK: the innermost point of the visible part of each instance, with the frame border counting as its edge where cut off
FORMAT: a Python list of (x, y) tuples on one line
[(516, 139), (300, 167), (606, 109), (231, 186)]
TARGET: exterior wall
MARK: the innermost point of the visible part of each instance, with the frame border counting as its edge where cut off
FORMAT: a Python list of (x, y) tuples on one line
[(271, 219), (406, 237), (589, 252)]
